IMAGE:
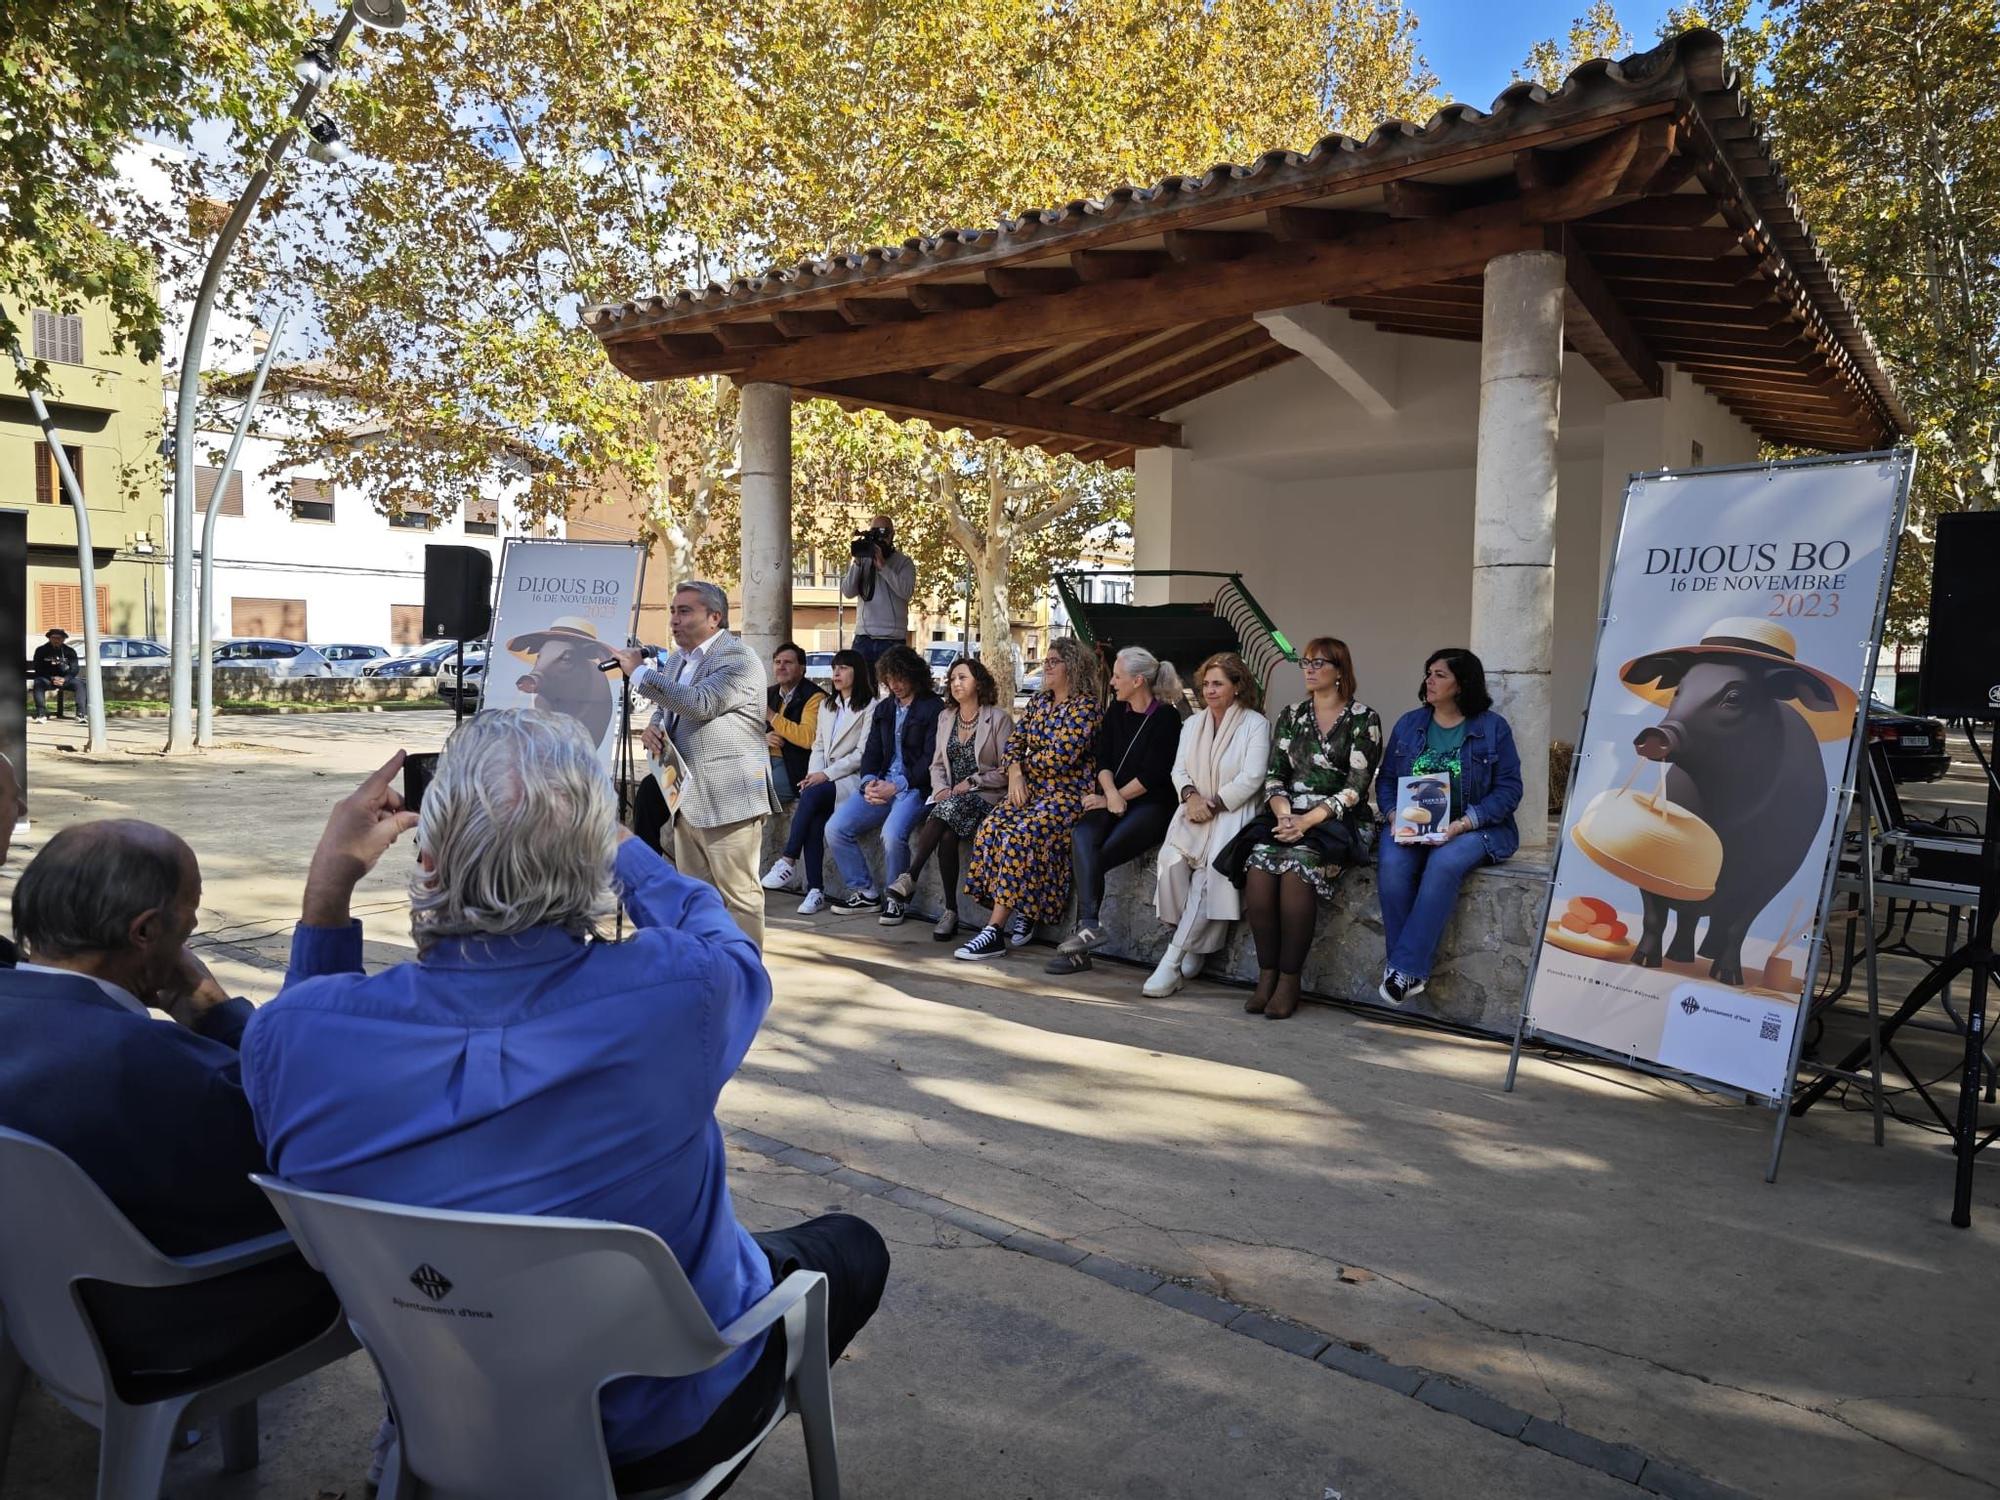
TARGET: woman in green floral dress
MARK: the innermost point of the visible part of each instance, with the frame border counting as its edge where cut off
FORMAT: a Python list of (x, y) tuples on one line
[(1323, 756)]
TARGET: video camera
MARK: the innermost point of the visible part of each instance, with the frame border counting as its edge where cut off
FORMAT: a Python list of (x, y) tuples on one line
[(868, 543)]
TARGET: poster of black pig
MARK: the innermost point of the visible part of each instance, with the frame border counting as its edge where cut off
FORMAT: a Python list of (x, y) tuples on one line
[(1741, 630)]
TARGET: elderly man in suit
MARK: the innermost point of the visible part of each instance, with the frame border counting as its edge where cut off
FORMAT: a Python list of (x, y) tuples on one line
[(709, 700), (152, 1111)]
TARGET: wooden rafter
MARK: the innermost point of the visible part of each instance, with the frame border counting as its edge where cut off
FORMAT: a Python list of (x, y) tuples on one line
[(958, 405)]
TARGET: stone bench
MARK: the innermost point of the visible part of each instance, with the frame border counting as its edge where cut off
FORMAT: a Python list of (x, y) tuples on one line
[(1482, 963)]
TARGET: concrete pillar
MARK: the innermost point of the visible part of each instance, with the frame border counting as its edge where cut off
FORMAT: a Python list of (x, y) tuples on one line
[(1514, 509), (766, 552)]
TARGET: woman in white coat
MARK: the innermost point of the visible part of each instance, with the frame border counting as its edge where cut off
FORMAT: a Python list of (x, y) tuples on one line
[(830, 778), (1219, 774)]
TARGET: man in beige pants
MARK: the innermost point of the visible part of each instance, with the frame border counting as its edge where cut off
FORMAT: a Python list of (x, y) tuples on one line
[(708, 697)]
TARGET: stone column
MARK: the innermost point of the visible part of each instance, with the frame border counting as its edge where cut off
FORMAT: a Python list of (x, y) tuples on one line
[(1514, 509), (766, 552)]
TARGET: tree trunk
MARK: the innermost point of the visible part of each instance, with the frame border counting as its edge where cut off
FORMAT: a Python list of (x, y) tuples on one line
[(992, 565)]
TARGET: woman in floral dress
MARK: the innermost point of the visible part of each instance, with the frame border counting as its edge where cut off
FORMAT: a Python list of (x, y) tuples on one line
[(1020, 855), (1323, 756)]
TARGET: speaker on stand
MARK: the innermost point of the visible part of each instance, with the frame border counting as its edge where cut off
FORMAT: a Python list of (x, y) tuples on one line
[(458, 602)]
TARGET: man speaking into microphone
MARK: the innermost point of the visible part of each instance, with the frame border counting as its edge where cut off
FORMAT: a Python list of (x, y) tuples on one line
[(708, 697)]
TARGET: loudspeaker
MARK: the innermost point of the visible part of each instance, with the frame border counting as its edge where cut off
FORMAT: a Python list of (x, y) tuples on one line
[(1961, 677), (14, 632), (458, 593)]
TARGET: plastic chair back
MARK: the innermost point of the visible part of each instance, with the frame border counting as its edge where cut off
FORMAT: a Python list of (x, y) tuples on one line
[(494, 1332)]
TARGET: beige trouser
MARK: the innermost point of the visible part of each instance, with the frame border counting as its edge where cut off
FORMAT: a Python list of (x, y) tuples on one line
[(1194, 930), (726, 857)]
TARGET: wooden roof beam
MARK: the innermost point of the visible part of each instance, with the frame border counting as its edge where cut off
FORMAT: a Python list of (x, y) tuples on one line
[(805, 325), (874, 312), (1205, 246), (1616, 169), (1291, 225), (1142, 357), (1093, 266), (1030, 281), (748, 335), (946, 296), (960, 406), (1600, 331), (1369, 260)]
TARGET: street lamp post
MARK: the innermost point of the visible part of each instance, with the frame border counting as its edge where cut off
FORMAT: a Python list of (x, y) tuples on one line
[(314, 73)]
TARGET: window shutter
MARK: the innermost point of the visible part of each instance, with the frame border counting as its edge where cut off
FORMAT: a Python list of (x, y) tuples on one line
[(204, 486), (59, 606), (49, 488), (58, 337), (406, 624), (283, 618), (482, 518), (312, 500)]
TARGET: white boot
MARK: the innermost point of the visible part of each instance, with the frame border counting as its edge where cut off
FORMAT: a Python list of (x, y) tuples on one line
[(1166, 978), (1192, 964)]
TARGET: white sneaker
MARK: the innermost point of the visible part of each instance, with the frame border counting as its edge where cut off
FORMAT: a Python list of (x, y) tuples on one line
[(779, 876), (814, 903), (1192, 964), (1164, 979)]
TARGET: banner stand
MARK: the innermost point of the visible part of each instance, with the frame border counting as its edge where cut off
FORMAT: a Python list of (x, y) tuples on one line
[(1840, 795)]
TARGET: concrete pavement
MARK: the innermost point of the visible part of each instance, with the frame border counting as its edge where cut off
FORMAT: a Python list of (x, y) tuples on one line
[(1597, 1251)]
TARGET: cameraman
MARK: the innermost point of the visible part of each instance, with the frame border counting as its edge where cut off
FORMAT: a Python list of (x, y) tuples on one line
[(883, 579)]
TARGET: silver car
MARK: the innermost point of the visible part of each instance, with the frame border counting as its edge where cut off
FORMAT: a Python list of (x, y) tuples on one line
[(279, 658), (468, 692), (352, 661)]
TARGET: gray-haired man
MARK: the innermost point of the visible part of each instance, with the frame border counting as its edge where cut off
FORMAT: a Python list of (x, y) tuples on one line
[(709, 700)]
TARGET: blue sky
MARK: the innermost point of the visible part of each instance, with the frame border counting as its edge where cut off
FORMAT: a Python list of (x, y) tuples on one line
[(1475, 45)]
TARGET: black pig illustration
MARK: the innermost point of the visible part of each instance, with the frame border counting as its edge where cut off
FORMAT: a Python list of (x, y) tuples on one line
[(1748, 764)]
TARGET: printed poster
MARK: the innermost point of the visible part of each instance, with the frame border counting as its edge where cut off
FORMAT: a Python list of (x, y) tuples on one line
[(560, 605), (1740, 631)]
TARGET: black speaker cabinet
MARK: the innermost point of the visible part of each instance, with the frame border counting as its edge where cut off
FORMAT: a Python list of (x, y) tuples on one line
[(1961, 678), (458, 593), (13, 637)]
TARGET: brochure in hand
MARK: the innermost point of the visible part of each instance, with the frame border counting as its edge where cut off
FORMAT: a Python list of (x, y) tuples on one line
[(1423, 807)]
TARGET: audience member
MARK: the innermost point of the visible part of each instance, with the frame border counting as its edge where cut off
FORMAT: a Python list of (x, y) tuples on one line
[(1019, 867), (1323, 754), (895, 778), (153, 1112), (968, 773), (523, 1065), (1126, 813), (883, 579), (791, 708), (1454, 733), (830, 780), (56, 666), (1219, 769), (13, 808), (710, 696)]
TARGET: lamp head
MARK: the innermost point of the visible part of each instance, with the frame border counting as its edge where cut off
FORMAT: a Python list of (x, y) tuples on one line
[(380, 15), (325, 145), (315, 65)]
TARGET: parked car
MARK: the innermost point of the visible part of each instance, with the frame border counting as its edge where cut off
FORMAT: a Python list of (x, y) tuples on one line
[(421, 661), (280, 658), (470, 690), (130, 649), (940, 659), (819, 668), (348, 661), (1918, 750)]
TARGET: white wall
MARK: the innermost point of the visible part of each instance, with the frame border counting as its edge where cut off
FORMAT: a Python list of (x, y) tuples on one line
[(1360, 527)]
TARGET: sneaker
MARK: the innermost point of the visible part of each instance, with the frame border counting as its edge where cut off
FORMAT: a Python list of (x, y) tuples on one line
[(858, 901), (893, 912), (39, 719), (903, 887), (814, 904), (1412, 988), (1067, 963), (1192, 964), (1020, 931), (378, 1452), (1393, 988), (988, 944), (779, 876), (947, 927), (1088, 936)]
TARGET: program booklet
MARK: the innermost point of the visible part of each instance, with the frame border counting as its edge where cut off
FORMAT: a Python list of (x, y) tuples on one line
[(1423, 807)]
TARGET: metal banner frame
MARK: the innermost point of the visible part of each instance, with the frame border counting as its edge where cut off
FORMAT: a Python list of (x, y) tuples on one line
[(1842, 794)]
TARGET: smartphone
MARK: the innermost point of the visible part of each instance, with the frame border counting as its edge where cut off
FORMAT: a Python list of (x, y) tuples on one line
[(417, 773)]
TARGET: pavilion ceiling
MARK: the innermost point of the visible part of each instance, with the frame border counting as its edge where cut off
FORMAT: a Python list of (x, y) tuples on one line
[(1078, 329)]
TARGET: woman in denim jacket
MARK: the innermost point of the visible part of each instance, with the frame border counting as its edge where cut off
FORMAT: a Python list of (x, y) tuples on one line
[(1456, 732)]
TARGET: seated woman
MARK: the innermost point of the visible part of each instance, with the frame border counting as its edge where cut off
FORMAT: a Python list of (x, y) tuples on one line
[(1219, 770), (1454, 733), (895, 778), (968, 773), (1323, 755), (1127, 811), (830, 778), (1020, 855)]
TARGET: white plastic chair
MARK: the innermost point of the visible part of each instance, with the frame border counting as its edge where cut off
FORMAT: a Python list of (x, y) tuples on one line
[(58, 1229), (494, 1333)]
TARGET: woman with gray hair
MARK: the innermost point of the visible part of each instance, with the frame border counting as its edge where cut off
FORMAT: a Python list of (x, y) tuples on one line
[(1127, 811), (522, 1066)]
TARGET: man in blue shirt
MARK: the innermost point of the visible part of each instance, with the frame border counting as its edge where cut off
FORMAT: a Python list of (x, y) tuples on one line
[(524, 1065)]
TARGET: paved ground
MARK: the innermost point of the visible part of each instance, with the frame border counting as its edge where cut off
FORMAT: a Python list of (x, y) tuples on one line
[(1595, 1257)]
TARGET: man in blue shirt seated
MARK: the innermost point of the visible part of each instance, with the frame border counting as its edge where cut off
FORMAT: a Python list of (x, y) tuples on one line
[(524, 1065)]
